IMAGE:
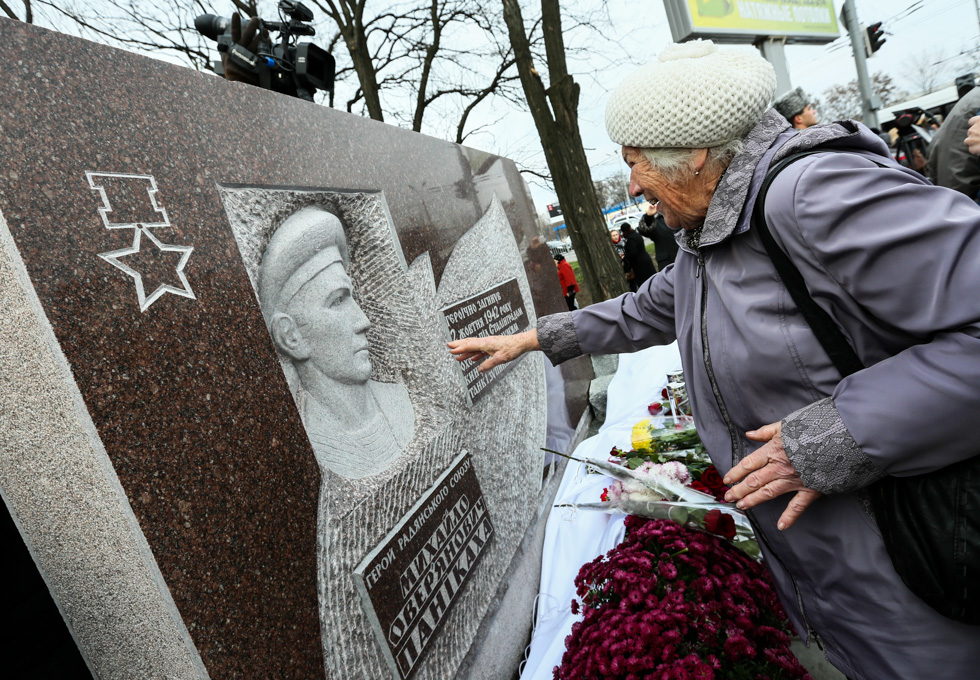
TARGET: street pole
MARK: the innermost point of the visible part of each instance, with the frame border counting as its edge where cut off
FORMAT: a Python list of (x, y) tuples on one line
[(868, 100), (772, 51), (976, 4)]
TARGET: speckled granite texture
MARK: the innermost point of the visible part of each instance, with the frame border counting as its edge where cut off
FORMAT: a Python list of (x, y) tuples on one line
[(181, 382), (68, 504)]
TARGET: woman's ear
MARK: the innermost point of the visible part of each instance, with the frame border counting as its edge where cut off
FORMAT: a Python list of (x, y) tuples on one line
[(700, 160), (288, 338)]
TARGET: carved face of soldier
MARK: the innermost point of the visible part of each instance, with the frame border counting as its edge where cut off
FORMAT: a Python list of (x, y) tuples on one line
[(332, 326)]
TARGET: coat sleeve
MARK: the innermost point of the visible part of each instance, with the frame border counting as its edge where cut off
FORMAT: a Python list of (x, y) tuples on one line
[(950, 162), (629, 323), (885, 247)]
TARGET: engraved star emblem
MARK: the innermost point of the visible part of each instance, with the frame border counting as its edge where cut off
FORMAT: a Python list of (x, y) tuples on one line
[(114, 258)]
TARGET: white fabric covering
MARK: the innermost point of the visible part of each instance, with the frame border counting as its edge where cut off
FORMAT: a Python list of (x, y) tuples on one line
[(574, 537)]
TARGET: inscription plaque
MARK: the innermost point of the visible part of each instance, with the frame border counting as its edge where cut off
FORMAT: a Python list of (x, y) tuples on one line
[(412, 578), (497, 311)]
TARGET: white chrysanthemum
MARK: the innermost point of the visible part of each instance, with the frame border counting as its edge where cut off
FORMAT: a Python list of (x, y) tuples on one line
[(676, 471)]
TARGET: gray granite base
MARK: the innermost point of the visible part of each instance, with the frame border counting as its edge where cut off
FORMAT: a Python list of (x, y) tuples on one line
[(66, 500)]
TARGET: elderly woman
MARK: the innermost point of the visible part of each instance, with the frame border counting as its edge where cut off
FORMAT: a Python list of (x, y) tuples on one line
[(896, 263)]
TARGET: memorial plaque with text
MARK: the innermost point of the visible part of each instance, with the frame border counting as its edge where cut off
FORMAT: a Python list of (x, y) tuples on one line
[(498, 311), (410, 581)]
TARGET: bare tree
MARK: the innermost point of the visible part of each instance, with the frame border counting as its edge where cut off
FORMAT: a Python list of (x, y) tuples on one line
[(26, 14), (603, 193), (138, 25), (442, 55), (555, 112), (438, 59), (927, 69), (842, 102)]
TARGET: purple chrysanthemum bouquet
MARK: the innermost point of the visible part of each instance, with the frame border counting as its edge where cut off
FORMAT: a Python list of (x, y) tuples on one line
[(672, 603)]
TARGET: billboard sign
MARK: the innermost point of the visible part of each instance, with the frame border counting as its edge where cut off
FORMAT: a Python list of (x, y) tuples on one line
[(747, 21)]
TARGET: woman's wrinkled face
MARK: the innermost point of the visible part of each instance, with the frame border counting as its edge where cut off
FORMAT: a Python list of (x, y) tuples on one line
[(615, 236), (683, 201)]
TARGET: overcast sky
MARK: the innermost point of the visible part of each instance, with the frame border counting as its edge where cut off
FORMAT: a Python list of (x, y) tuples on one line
[(931, 31)]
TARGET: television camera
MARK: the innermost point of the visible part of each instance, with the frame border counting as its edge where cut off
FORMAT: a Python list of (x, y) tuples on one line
[(912, 145), (296, 69)]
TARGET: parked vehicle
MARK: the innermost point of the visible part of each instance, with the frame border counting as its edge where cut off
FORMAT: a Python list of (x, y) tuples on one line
[(559, 247), (617, 223)]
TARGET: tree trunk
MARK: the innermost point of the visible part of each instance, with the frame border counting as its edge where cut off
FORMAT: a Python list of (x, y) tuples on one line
[(349, 17), (562, 144)]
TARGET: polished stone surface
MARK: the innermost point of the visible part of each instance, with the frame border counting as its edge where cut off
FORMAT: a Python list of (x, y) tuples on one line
[(127, 189)]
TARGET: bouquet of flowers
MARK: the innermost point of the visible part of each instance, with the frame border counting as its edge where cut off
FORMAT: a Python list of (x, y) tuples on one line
[(667, 475), (676, 604)]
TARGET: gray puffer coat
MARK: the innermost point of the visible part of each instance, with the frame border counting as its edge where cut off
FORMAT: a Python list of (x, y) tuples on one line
[(896, 262)]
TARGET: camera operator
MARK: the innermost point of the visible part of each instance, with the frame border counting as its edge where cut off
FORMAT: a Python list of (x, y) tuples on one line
[(951, 163)]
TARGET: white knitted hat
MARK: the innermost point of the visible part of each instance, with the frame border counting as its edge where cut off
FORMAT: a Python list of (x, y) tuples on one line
[(693, 96)]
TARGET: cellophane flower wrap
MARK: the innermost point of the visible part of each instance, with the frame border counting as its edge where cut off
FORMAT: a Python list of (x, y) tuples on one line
[(667, 475), (672, 603)]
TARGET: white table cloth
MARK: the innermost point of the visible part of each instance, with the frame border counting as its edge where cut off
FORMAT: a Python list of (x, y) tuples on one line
[(574, 537)]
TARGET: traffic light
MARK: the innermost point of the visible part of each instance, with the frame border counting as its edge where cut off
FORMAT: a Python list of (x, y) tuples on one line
[(875, 37)]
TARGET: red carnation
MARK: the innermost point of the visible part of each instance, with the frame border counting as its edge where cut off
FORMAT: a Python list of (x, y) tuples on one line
[(711, 478), (719, 523), (698, 486), (655, 408), (605, 495), (673, 603), (663, 394)]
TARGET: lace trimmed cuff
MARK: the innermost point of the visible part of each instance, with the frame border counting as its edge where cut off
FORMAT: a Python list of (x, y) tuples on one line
[(823, 452), (556, 335)]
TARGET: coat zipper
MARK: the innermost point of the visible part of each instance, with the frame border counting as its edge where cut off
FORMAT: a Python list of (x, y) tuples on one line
[(732, 433), (736, 441)]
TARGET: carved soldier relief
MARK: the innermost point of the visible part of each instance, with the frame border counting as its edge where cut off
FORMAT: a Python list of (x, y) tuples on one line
[(306, 297), (361, 335)]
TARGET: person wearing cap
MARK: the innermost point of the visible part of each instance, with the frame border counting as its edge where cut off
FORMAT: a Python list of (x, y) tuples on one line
[(797, 443), (567, 280), (797, 109), (357, 426)]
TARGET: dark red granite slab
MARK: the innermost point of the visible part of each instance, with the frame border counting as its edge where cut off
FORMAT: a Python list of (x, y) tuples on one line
[(187, 395)]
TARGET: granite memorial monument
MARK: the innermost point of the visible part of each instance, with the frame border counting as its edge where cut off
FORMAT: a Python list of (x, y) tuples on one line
[(233, 440)]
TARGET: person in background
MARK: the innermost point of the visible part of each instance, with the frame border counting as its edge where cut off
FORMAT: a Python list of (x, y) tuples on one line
[(566, 277), (653, 227), (950, 162), (636, 258), (618, 245), (796, 108)]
